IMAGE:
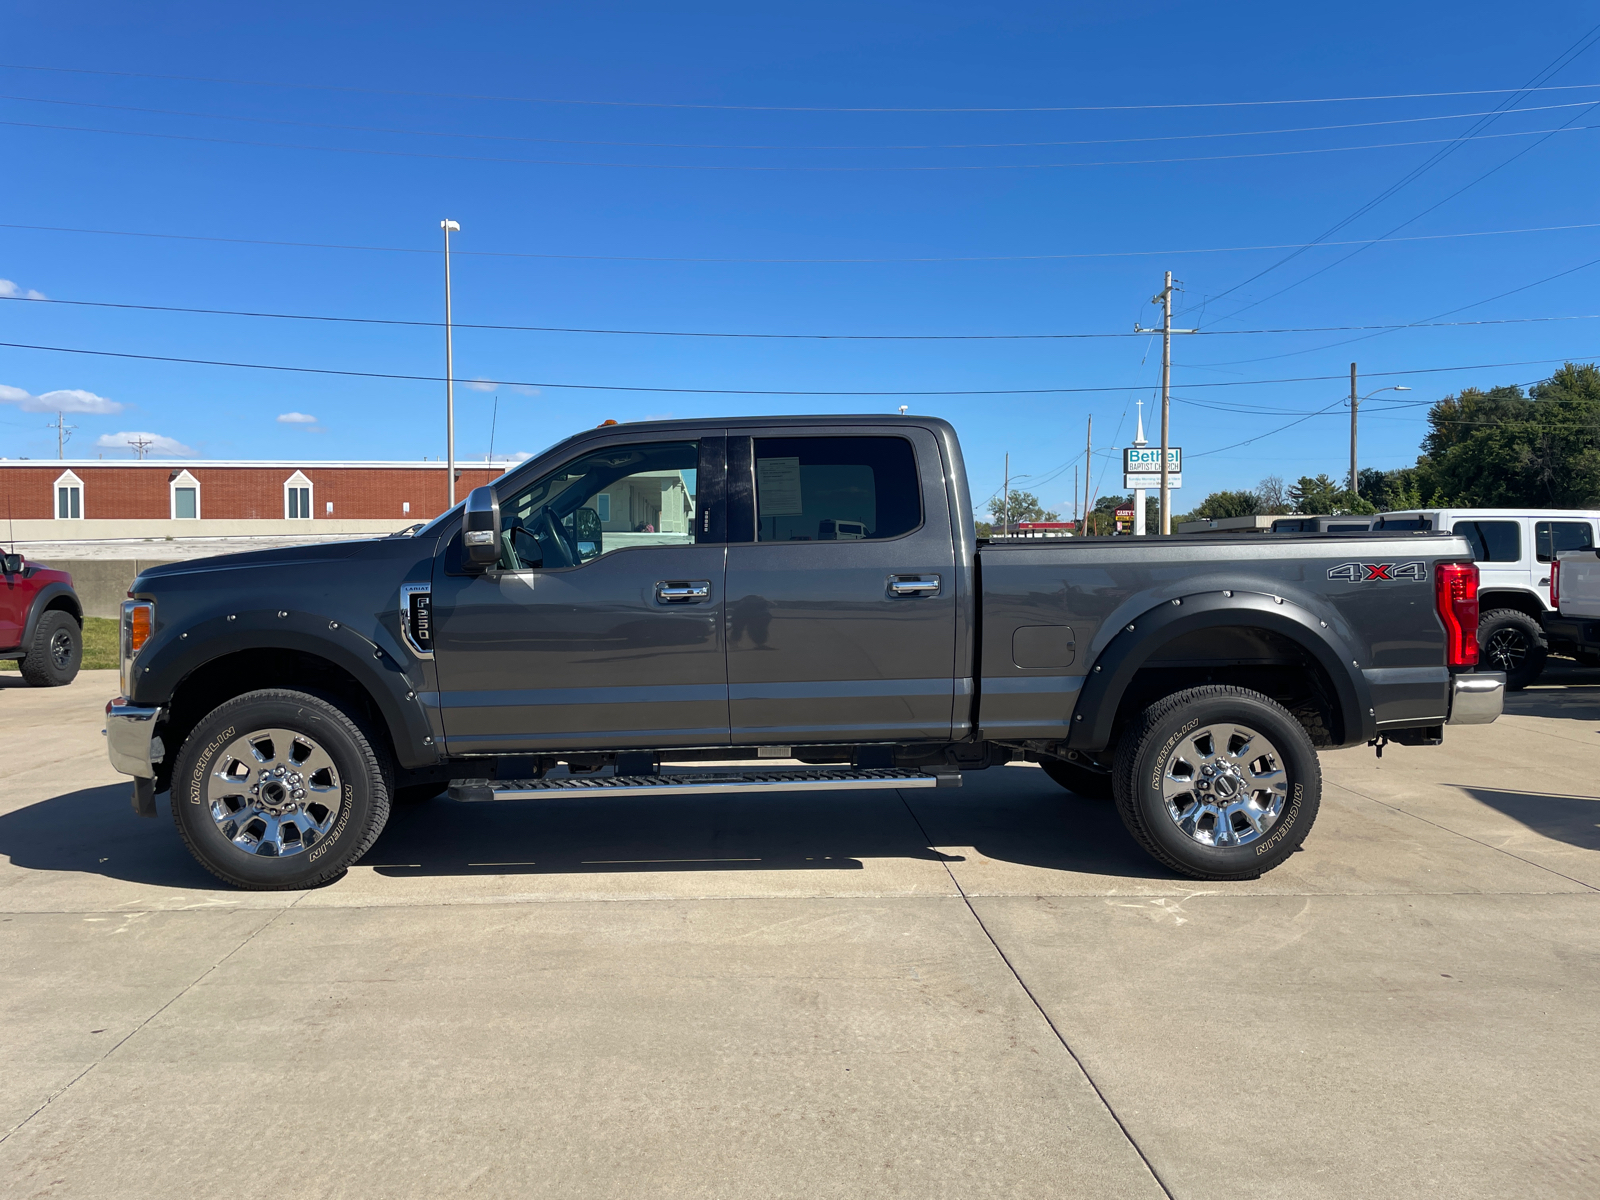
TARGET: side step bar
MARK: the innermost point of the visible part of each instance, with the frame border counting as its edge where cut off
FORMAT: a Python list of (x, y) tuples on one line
[(702, 783)]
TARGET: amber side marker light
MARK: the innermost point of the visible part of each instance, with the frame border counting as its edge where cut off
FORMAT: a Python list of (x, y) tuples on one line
[(139, 624)]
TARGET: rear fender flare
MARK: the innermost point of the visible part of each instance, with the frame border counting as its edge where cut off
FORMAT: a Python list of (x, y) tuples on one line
[(1133, 646)]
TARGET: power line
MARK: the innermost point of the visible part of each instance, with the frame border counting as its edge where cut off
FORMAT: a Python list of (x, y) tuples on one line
[(769, 169), (1560, 61), (819, 337), (193, 237), (500, 137), (323, 87), (607, 387)]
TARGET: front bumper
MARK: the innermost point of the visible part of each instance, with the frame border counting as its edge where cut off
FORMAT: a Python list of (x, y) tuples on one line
[(131, 741), (1477, 699)]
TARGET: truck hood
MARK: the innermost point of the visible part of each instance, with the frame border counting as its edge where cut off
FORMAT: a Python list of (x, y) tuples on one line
[(317, 552)]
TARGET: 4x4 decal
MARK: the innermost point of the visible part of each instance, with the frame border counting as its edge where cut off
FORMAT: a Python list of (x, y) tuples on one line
[(1354, 572)]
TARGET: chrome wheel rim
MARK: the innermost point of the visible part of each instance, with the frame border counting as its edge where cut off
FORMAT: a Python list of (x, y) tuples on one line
[(274, 793), (1224, 785), (61, 648), (1507, 648)]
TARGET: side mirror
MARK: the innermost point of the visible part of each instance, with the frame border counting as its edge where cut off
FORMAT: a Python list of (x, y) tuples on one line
[(11, 564), (480, 528)]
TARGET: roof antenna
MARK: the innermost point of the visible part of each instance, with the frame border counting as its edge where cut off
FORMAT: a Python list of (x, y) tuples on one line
[(492, 421)]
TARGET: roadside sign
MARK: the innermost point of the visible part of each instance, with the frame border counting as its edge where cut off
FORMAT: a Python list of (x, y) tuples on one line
[(1150, 483), (1124, 519)]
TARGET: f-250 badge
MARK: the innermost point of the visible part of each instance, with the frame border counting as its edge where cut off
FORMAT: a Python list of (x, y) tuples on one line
[(1354, 572)]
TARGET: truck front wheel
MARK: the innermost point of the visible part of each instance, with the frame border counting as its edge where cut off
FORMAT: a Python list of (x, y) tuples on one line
[(55, 652), (1218, 782), (279, 789)]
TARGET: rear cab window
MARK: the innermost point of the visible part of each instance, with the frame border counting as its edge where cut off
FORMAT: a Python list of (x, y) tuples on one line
[(835, 489), (1552, 537), (1492, 541)]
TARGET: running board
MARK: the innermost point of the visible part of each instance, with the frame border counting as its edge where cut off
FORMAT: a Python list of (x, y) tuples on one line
[(701, 783)]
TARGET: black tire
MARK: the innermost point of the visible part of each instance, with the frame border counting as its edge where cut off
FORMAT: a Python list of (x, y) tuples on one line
[(1510, 640), (1081, 781), (360, 782), (1161, 737), (55, 652)]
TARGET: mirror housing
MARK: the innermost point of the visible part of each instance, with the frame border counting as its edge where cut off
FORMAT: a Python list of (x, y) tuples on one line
[(11, 564), (480, 528)]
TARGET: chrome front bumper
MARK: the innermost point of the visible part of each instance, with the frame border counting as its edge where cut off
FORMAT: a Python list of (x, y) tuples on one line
[(1477, 699), (131, 741)]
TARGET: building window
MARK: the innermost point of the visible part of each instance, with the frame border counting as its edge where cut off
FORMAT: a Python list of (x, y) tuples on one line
[(69, 498), (185, 497), (297, 497)]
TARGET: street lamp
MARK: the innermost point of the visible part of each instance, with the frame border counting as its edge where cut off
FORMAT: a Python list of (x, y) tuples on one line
[(449, 369), (1355, 403)]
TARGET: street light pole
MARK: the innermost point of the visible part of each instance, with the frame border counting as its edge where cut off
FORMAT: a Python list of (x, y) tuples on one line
[(1355, 403), (449, 370)]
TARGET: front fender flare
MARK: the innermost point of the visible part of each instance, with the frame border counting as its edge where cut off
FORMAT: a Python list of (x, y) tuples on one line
[(1138, 641), (41, 604)]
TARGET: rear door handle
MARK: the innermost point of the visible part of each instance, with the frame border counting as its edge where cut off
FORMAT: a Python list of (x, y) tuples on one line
[(693, 591), (914, 585)]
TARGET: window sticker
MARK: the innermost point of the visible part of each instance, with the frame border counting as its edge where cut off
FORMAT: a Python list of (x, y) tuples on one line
[(778, 487)]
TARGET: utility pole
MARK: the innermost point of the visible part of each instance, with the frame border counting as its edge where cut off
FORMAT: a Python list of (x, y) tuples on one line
[(1005, 502), (449, 369), (1355, 481), (1164, 298), (140, 445), (1075, 496), (1088, 469), (64, 434)]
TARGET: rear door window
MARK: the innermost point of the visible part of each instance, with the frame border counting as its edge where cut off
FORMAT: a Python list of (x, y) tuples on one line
[(1552, 537), (1492, 541), (835, 489), (1411, 523)]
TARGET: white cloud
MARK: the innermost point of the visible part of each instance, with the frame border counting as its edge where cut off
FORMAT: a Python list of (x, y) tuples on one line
[(159, 446), (296, 418), (67, 400), (481, 385), (7, 288), (485, 385)]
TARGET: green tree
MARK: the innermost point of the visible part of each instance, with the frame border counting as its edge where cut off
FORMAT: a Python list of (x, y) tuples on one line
[(1024, 506), (1503, 448), (1226, 504), (1317, 495), (1103, 518), (1271, 498)]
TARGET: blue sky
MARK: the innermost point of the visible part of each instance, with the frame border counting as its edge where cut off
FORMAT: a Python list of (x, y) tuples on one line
[(344, 153)]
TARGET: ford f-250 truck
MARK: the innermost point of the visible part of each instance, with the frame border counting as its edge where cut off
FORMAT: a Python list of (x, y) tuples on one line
[(643, 600)]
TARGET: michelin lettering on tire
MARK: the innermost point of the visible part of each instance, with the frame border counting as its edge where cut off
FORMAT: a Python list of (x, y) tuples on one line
[(1161, 759), (200, 762), (332, 839), (1285, 825)]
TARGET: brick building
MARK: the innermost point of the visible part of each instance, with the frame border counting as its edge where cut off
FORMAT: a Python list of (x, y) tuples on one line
[(211, 492)]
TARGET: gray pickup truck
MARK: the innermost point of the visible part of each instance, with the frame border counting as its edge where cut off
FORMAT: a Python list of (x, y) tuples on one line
[(643, 601)]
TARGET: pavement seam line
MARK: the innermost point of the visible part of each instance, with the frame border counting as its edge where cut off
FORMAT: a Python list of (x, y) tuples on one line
[(1039, 1008), (182, 992), (1477, 841)]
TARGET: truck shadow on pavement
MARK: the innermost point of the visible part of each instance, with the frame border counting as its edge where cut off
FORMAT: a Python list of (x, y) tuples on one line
[(1011, 815), (1574, 820)]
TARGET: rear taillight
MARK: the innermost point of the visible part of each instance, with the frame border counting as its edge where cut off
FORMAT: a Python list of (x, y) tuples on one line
[(1455, 591), (1555, 584)]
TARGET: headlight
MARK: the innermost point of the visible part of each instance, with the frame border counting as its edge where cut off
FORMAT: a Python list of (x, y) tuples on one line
[(138, 623)]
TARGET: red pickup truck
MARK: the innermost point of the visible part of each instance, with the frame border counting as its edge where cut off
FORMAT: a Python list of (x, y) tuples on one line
[(41, 621)]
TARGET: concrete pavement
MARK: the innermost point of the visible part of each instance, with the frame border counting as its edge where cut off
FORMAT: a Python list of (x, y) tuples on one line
[(982, 992)]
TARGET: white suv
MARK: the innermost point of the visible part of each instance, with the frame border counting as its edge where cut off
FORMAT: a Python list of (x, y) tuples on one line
[(1514, 548)]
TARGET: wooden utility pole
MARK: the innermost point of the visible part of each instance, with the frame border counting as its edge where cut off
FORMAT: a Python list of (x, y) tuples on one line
[(1355, 481), (1164, 298), (1088, 470), (1075, 498), (1005, 502)]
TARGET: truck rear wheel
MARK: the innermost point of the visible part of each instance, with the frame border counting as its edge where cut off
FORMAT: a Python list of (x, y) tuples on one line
[(1217, 782), (1091, 785), (1510, 640), (279, 789), (55, 651)]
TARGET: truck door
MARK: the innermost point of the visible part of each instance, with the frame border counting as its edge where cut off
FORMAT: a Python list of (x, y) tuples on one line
[(601, 624), (841, 587)]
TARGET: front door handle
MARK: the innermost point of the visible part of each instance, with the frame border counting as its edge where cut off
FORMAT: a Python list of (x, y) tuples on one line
[(694, 591), (914, 585)]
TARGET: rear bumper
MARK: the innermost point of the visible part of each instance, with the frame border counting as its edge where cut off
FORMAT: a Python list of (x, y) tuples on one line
[(1477, 699), (131, 741)]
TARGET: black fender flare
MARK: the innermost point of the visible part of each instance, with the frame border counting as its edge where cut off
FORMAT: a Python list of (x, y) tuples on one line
[(41, 605), (1137, 642), (389, 674)]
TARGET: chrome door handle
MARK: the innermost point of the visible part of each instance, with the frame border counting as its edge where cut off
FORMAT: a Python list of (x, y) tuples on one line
[(692, 592), (914, 585)]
